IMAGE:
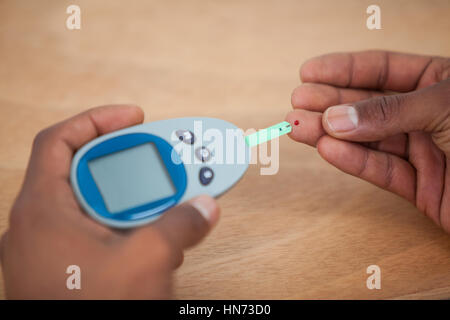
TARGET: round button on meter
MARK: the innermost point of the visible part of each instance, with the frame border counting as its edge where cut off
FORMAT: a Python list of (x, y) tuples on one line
[(203, 154), (206, 175), (186, 136)]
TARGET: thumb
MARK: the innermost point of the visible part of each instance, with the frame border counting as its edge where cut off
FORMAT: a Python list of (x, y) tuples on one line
[(187, 224), (374, 119)]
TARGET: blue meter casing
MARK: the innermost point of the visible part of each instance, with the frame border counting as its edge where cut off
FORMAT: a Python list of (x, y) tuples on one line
[(130, 177)]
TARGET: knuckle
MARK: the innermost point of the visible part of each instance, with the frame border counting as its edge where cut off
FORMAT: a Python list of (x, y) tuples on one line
[(162, 250), (21, 222), (438, 122), (443, 73), (383, 75), (445, 86), (40, 137), (363, 168), (44, 136), (18, 216), (160, 253), (383, 109), (388, 172), (166, 254)]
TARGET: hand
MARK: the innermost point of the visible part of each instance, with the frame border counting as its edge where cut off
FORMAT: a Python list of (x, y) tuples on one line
[(48, 230), (398, 142)]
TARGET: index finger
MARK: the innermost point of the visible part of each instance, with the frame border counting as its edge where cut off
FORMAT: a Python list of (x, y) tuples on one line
[(54, 147), (381, 70)]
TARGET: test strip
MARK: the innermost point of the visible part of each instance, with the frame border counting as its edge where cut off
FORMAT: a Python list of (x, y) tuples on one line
[(269, 133)]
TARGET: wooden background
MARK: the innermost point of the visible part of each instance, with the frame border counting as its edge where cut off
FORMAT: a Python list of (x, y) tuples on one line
[(308, 232)]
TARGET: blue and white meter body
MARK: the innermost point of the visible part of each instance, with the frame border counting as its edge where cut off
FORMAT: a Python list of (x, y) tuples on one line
[(130, 177)]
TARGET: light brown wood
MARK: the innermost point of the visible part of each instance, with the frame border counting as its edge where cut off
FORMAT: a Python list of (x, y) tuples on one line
[(308, 232)]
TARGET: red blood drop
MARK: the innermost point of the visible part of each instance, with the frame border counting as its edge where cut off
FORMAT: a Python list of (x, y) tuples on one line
[(296, 122)]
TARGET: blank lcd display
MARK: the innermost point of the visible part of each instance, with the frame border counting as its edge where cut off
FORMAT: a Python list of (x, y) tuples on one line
[(131, 177)]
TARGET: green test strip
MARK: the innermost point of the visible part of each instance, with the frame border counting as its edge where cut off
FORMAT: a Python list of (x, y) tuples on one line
[(267, 134)]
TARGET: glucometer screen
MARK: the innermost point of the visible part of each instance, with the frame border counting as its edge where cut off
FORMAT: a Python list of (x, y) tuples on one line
[(131, 177)]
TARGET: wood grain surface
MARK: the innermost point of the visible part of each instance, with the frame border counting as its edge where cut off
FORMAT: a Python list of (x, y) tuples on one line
[(309, 231)]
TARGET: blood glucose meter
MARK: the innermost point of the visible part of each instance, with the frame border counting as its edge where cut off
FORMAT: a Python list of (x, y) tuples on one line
[(130, 177)]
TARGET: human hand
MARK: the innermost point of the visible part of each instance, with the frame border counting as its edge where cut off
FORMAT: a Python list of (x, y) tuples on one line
[(398, 142), (48, 230)]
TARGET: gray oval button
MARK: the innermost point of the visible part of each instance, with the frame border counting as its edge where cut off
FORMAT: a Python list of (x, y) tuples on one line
[(206, 175), (186, 136), (203, 154)]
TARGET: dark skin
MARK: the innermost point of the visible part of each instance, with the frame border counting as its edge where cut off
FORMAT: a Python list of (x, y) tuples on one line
[(49, 231), (399, 134), (398, 142)]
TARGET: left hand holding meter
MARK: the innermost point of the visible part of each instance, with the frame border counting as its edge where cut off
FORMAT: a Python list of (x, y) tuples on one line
[(48, 230), (130, 177)]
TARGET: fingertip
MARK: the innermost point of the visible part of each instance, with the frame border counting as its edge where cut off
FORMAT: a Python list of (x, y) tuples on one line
[(301, 96), (308, 70), (187, 224), (293, 117), (341, 121), (131, 112), (207, 207), (139, 114), (306, 126), (130, 106), (138, 110), (315, 96), (113, 117)]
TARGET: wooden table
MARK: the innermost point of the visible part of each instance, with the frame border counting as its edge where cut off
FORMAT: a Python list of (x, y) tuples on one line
[(309, 231)]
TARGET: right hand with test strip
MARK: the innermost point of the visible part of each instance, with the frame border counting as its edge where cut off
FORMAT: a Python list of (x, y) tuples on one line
[(383, 117)]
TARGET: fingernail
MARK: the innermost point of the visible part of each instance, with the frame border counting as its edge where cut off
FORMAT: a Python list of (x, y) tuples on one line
[(341, 118), (207, 207)]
